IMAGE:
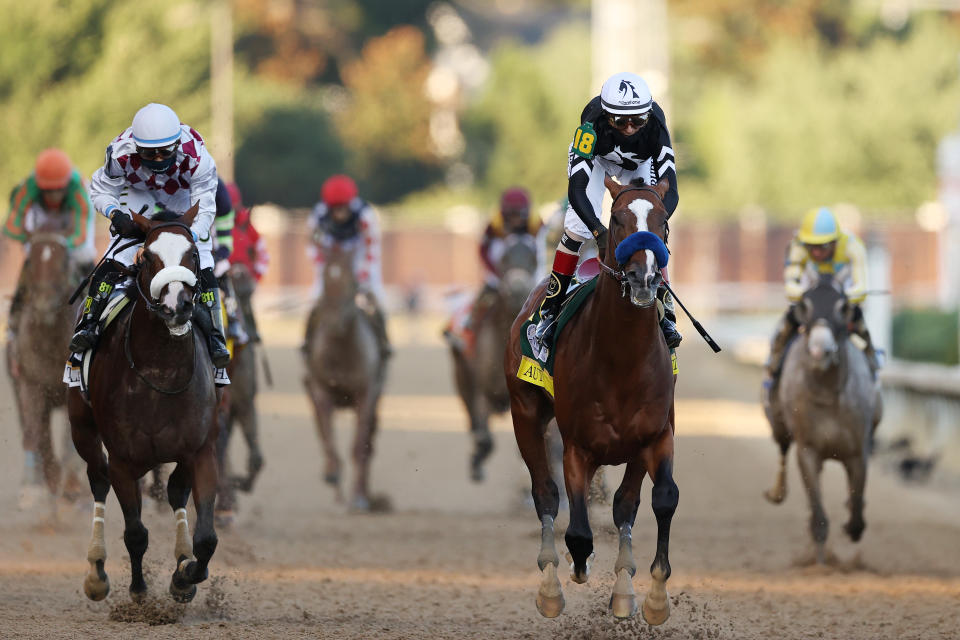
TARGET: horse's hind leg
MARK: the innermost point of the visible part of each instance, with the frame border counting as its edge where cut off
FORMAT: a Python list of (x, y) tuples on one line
[(480, 430), (251, 433), (126, 486), (96, 585), (623, 600), (363, 448), (810, 466), (204, 535), (578, 471), (530, 416), (664, 499), (857, 480)]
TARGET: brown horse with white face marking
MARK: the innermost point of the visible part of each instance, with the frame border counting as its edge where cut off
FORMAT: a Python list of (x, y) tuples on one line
[(152, 401), (613, 385)]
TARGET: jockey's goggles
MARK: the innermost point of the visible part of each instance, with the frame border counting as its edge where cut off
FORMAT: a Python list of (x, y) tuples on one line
[(158, 153), (638, 120), (54, 194)]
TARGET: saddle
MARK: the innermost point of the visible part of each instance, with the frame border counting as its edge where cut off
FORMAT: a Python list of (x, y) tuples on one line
[(76, 372)]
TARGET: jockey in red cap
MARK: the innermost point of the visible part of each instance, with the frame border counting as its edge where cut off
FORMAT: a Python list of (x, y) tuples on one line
[(343, 218)]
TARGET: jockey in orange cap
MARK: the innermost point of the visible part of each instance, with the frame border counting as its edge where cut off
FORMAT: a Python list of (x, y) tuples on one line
[(54, 197), (343, 218)]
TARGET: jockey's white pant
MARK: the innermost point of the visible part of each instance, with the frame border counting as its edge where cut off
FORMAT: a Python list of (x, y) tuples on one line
[(132, 199), (596, 190)]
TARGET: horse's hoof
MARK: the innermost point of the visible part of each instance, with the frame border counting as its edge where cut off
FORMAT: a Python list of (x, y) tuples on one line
[(139, 596), (359, 504), (580, 576), (623, 600), (774, 496), (653, 612), (224, 519), (332, 478), (182, 595), (96, 589), (550, 596), (476, 473), (854, 530)]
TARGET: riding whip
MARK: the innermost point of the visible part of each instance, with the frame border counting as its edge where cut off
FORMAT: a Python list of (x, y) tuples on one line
[(696, 325)]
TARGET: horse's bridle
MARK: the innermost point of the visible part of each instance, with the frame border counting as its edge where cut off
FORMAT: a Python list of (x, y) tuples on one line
[(153, 308), (620, 275)]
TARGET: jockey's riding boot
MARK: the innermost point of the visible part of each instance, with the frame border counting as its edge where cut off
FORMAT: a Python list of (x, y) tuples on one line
[(483, 302), (668, 323), (102, 282), (210, 298), (860, 328), (786, 329), (13, 318), (551, 305), (380, 326)]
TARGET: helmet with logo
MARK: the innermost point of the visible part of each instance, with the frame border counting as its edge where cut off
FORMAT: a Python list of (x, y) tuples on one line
[(156, 131), (819, 226), (53, 170), (338, 190), (625, 93)]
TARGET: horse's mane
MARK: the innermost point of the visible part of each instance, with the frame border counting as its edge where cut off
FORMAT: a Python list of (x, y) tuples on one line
[(165, 215)]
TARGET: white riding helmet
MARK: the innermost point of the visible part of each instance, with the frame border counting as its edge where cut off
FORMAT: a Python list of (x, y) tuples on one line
[(156, 125), (625, 93)]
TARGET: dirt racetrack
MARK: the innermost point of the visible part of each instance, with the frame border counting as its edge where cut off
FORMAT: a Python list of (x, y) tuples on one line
[(457, 560)]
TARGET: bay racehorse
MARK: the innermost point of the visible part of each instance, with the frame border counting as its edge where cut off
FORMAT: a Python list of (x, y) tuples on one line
[(35, 355), (613, 385), (238, 405), (345, 369), (152, 400), (828, 401), (478, 370)]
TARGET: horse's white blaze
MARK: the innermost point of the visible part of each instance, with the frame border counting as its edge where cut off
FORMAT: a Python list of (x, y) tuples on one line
[(45, 254), (821, 341), (170, 248), (173, 292), (641, 209)]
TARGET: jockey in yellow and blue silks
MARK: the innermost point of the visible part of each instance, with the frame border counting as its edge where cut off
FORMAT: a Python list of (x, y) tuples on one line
[(821, 246)]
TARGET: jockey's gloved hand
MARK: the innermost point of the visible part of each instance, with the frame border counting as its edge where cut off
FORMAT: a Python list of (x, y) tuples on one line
[(122, 224), (600, 234)]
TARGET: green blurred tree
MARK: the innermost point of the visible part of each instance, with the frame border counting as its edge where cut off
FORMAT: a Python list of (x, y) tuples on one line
[(520, 127), (385, 125)]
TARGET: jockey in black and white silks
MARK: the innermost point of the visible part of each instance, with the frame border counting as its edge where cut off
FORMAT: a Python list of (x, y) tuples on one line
[(623, 133), (155, 162)]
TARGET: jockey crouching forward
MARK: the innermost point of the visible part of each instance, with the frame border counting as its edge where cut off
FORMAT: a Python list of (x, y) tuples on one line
[(51, 198), (821, 246), (156, 161), (623, 133), (342, 218)]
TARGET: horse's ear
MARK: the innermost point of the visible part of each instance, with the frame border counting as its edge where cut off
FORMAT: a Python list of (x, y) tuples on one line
[(662, 187), (612, 186), (143, 222), (191, 213)]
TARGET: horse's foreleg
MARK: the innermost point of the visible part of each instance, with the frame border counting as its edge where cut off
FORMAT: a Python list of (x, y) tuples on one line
[(226, 488), (778, 492), (857, 480), (204, 496), (366, 409), (37, 442), (51, 465), (810, 466), (126, 486), (480, 430), (529, 420), (251, 433), (323, 411), (664, 499), (623, 600), (96, 585), (578, 471), (179, 485)]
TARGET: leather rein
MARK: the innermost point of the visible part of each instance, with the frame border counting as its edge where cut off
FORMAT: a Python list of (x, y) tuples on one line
[(153, 308)]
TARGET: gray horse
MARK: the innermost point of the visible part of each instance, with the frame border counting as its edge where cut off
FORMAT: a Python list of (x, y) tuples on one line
[(346, 368), (479, 370), (829, 402)]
